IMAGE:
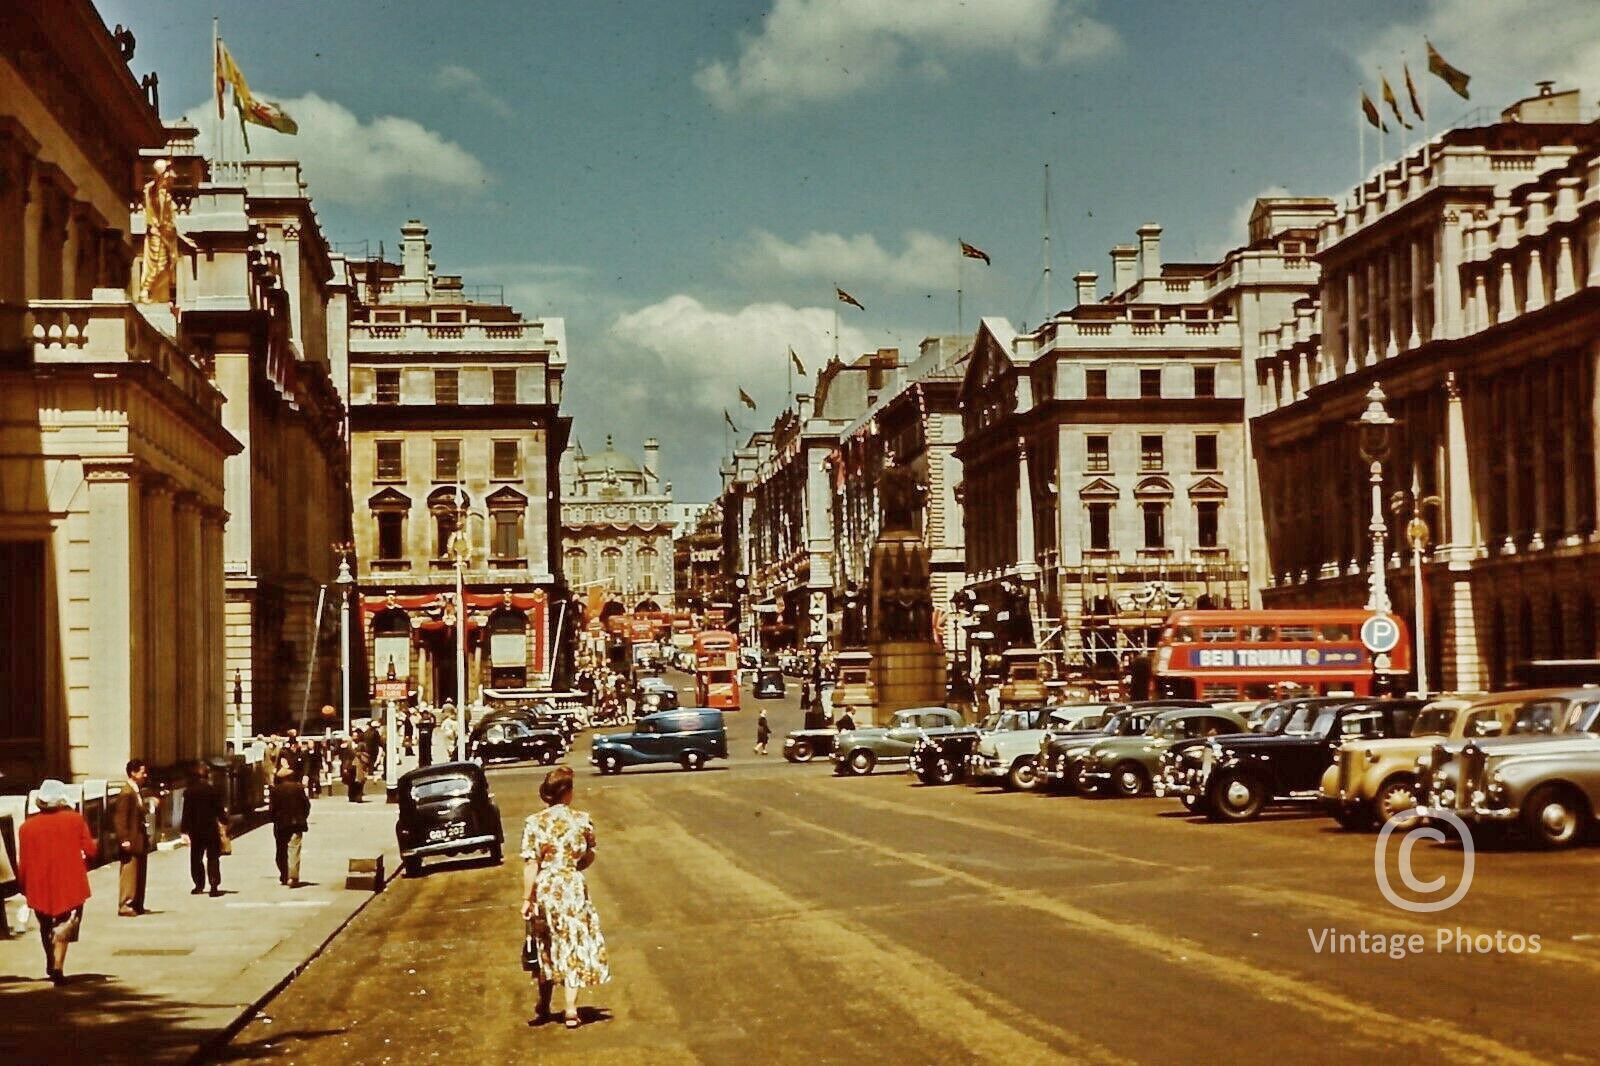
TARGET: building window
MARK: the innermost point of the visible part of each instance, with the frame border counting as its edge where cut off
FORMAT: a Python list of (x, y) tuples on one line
[(507, 534), (1098, 460), (444, 528), (447, 387), (507, 464), (611, 565), (1205, 381), (1149, 384), (505, 386), (1152, 452), (647, 560), (446, 460), (390, 455), (1205, 451), (1094, 382), (1206, 515), (388, 386), (1155, 525), (391, 535), (1100, 527)]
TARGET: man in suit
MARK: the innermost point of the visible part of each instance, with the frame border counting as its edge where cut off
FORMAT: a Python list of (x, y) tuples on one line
[(291, 810), (204, 821), (133, 840)]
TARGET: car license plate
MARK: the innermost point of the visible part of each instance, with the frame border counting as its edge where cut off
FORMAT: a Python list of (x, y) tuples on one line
[(447, 832)]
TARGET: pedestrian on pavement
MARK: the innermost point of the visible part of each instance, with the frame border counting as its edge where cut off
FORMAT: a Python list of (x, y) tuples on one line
[(425, 725), (133, 840), (351, 773), (314, 767), (54, 849), (407, 729), (763, 732), (291, 809), (449, 733), (557, 846), (203, 825)]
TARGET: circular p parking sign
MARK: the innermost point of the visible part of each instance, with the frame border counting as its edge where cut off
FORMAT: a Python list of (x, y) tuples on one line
[(1380, 633)]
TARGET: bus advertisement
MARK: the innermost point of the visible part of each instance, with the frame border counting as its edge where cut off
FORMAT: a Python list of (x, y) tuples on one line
[(716, 669), (1223, 655)]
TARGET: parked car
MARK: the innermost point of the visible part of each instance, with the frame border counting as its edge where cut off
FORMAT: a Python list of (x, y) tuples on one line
[(1010, 752), (1371, 781), (1060, 751), (1241, 776), (514, 739), (859, 751), (1180, 772), (656, 700), (1126, 766), (768, 684), (1535, 715), (690, 737), (803, 745), (446, 809), (1548, 785)]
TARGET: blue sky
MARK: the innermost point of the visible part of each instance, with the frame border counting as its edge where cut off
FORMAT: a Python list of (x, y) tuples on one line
[(685, 183)]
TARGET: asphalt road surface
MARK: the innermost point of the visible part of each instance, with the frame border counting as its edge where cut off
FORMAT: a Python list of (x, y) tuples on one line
[(762, 912)]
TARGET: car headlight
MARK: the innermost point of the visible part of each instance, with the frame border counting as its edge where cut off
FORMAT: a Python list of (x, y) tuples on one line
[(1372, 756)]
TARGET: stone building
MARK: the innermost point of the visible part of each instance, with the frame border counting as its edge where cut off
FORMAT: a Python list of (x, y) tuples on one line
[(1106, 471), (617, 520), (263, 300), (112, 440), (456, 425), (1464, 279), (697, 559)]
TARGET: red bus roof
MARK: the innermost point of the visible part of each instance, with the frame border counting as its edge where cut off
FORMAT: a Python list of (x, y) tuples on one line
[(1297, 614)]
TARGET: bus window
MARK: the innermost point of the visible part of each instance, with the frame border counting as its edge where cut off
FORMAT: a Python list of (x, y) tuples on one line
[(1301, 633), (1181, 635), (1218, 634), (1220, 691), (1337, 632), (1260, 634)]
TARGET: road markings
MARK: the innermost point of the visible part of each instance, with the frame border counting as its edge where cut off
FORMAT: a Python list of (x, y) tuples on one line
[(279, 903), (1294, 992)]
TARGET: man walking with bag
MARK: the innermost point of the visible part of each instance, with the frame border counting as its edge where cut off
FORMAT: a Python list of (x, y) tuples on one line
[(133, 840), (290, 811), (205, 826)]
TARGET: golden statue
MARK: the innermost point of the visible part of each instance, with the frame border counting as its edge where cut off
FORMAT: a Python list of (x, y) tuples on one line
[(158, 261)]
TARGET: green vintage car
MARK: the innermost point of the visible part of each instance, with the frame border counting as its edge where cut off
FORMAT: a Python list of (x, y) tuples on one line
[(857, 751), (1125, 766)]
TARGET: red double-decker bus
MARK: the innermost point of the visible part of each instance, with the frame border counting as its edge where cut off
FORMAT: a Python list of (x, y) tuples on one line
[(716, 669), (1223, 655)]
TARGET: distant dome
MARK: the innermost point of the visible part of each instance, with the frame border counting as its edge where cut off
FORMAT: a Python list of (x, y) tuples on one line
[(609, 468)]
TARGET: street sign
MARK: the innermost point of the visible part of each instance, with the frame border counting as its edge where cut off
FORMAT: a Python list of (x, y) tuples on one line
[(390, 690), (1380, 633)]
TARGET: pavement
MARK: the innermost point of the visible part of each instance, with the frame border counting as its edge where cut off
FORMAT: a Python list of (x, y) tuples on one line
[(161, 987)]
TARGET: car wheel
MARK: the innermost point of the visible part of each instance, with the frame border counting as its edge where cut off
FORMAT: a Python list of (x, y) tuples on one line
[(496, 855), (547, 758), (1191, 802), (861, 762), (413, 866), (1078, 775), (1129, 779), (1238, 797), (1554, 817), (1397, 798), (610, 765), (801, 752), (1355, 819), (693, 760), (943, 773), (1024, 775)]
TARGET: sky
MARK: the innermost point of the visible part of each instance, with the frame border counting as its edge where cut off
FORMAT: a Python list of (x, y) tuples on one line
[(686, 183)]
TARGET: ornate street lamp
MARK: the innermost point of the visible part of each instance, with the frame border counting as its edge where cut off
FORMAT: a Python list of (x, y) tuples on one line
[(345, 581), (1375, 426), (1417, 535)]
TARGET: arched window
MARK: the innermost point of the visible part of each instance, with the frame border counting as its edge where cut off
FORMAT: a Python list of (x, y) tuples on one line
[(389, 509), (648, 564), (577, 566), (611, 564), (508, 510), (446, 505)]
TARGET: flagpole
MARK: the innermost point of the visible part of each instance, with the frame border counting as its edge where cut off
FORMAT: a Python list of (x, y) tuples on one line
[(1049, 297), (1361, 154), (961, 283), (836, 320), (216, 91)]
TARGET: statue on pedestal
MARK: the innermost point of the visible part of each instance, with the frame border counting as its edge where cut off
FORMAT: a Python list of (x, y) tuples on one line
[(158, 262)]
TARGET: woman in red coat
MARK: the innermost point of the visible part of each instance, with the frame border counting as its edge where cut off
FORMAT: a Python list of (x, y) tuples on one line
[(54, 848)]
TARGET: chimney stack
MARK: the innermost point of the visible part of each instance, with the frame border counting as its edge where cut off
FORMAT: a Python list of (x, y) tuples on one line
[(1124, 269), (1088, 286), (1149, 251), (652, 456), (414, 249)]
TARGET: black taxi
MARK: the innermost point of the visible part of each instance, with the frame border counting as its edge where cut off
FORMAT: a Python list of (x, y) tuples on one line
[(446, 809)]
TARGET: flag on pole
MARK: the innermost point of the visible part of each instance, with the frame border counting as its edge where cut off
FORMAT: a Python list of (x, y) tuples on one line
[(1411, 91), (1370, 109), (726, 417), (1452, 77), (746, 399), (973, 253), (261, 112), (846, 298), (799, 367), (1392, 100)]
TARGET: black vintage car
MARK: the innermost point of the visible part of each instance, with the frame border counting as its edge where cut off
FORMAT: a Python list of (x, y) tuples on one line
[(446, 809), (803, 745), (508, 738), (1061, 751), (1241, 775), (768, 684)]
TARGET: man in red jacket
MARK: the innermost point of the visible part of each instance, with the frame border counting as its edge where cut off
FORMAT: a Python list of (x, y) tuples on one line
[(54, 848)]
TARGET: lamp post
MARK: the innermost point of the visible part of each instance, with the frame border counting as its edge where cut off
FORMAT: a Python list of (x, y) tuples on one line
[(1374, 428), (1417, 535), (345, 580), (461, 553)]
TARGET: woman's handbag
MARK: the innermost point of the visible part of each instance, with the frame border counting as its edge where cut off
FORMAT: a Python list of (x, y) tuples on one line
[(226, 839), (530, 947)]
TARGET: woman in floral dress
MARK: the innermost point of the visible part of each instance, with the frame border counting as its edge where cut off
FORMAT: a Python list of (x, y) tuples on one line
[(557, 845)]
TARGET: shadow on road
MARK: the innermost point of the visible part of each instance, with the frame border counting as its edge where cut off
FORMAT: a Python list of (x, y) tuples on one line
[(271, 1046), (92, 1018)]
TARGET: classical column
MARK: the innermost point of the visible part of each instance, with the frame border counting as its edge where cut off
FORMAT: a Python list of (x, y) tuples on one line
[(116, 702), (1352, 319), (1537, 411), (1447, 279), (166, 633), (1392, 268), (193, 617), (1025, 546), (1414, 247), (1460, 534), (1370, 309), (1570, 401)]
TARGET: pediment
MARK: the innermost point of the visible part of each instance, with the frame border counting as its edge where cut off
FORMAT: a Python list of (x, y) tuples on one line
[(506, 496), (1153, 487), (1208, 488), (389, 499), (1099, 489)]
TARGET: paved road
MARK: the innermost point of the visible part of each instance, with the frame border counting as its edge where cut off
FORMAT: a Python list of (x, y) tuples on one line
[(762, 913)]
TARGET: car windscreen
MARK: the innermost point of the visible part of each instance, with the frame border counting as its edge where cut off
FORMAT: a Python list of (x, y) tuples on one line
[(1540, 716), (1434, 721), (1302, 721), (433, 789)]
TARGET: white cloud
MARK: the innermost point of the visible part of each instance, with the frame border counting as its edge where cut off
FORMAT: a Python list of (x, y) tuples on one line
[(927, 261), (349, 160), (470, 86), (697, 356), (1505, 46), (826, 49)]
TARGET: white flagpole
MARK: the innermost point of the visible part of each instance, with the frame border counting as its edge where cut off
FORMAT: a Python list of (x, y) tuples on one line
[(216, 135), (961, 281)]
